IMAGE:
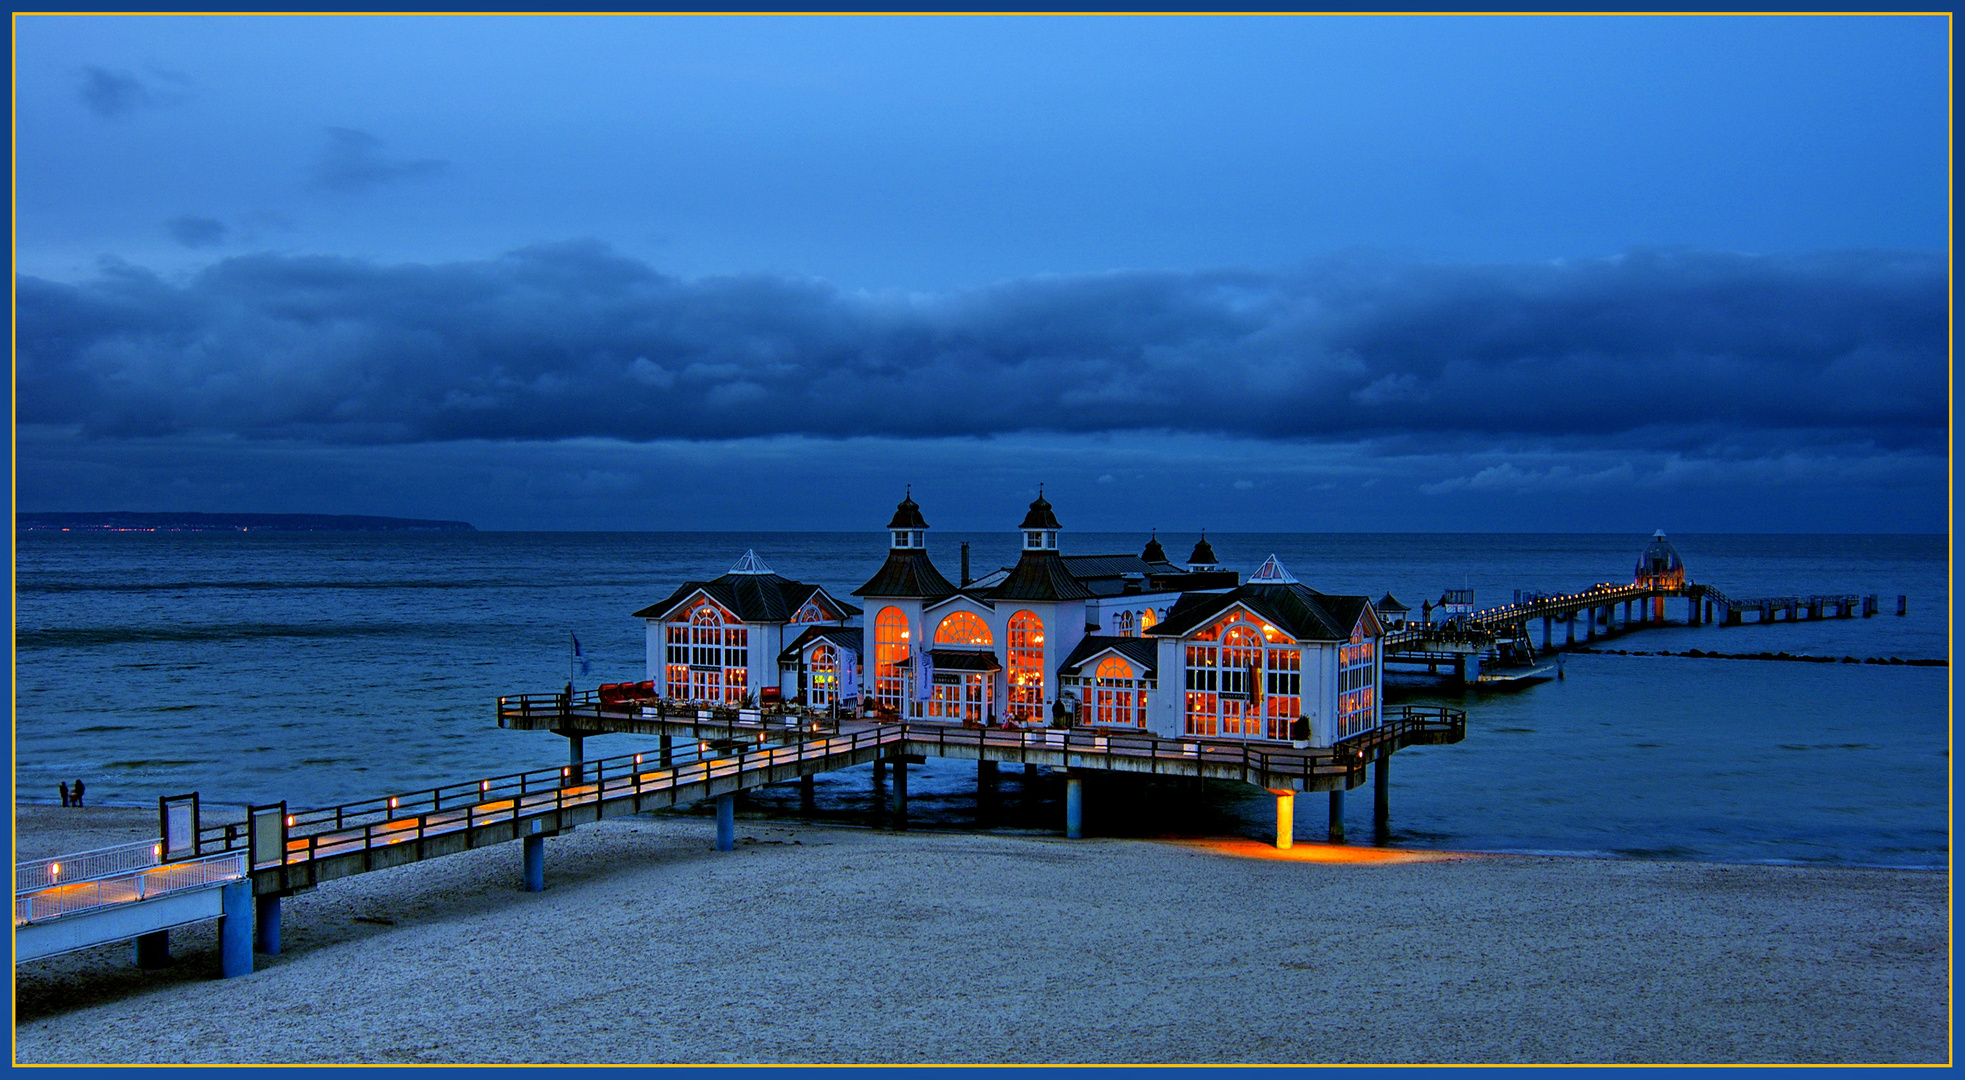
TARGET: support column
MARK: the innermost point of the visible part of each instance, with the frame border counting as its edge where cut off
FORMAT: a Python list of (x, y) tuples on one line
[(1074, 808), (532, 872), (575, 747), (726, 823), (1470, 670), (1569, 636), (1545, 633), (235, 929), (1337, 815), (668, 752), (808, 797), (1590, 623), (266, 924), (1285, 818), (152, 950), (900, 793), (879, 771), (1381, 794)]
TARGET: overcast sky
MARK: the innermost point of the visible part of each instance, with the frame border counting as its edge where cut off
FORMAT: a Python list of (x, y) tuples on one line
[(1433, 274)]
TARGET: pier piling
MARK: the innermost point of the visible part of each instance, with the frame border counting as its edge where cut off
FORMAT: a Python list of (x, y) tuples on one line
[(807, 792), (1285, 817), (1074, 808), (1337, 815), (1381, 793), (152, 950), (726, 823), (533, 865), (266, 924), (900, 792), (235, 929)]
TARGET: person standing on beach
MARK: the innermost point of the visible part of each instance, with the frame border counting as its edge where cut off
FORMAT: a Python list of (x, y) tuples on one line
[(64, 793), (78, 792)]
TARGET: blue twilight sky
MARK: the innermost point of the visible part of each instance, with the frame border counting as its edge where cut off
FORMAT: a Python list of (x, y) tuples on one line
[(1435, 274)]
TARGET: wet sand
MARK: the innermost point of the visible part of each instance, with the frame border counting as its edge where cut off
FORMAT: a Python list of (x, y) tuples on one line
[(811, 944)]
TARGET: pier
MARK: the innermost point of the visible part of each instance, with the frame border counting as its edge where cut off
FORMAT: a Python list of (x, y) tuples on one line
[(1469, 642), (239, 873)]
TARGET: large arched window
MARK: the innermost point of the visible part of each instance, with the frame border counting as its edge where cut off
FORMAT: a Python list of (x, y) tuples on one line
[(1125, 624), (1147, 620), (890, 647), (1243, 680), (963, 628), (822, 676), (1119, 697), (718, 658), (1026, 668)]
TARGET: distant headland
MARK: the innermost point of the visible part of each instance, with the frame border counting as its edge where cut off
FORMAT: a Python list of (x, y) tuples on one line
[(187, 521)]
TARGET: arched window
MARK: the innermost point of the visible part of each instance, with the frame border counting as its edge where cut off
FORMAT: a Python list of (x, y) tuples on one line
[(1026, 668), (1232, 669), (822, 676), (963, 628), (890, 647), (1125, 624), (1147, 620), (1118, 695), (715, 664)]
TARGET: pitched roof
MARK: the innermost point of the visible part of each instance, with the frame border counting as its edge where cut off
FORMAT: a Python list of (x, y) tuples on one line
[(1296, 609), (1083, 567), (1203, 553), (906, 573), (849, 637), (753, 597), (1144, 652), (1154, 553), (1388, 602), (1040, 575)]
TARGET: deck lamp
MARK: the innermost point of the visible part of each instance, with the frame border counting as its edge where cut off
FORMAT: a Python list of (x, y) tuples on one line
[(392, 802), (484, 785), (54, 870)]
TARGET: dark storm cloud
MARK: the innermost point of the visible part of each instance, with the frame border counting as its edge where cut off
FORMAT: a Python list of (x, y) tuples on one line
[(354, 161), (574, 340), (193, 231)]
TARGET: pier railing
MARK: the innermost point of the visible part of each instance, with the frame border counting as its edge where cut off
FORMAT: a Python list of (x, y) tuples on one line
[(87, 865), (415, 815), (55, 901)]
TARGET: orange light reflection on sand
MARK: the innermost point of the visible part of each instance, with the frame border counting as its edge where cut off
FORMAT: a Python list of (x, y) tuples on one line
[(1320, 853)]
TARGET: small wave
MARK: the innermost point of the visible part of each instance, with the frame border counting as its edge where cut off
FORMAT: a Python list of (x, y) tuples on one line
[(82, 637), (97, 728), (71, 586), (149, 763)]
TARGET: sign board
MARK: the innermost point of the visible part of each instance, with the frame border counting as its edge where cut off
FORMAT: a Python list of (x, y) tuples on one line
[(266, 834), (177, 824)]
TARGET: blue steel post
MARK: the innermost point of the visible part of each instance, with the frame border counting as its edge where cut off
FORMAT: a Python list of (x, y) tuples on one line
[(535, 863), (266, 924), (153, 950), (726, 822), (235, 929), (1074, 808)]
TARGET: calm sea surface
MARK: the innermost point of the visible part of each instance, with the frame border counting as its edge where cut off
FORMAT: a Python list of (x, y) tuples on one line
[(324, 668)]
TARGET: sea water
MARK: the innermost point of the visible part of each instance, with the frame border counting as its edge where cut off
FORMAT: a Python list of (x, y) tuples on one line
[(322, 668)]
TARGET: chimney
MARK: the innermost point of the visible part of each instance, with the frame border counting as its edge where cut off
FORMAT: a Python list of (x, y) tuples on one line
[(965, 564)]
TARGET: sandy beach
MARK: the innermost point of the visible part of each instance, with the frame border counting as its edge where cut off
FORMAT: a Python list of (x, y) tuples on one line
[(812, 944)]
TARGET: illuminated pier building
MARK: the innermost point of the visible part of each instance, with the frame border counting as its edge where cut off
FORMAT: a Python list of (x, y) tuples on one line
[(1118, 642)]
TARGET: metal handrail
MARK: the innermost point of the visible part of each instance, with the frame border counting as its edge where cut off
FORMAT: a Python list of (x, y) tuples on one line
[(55, 901), (87, 865), (390, 820)]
